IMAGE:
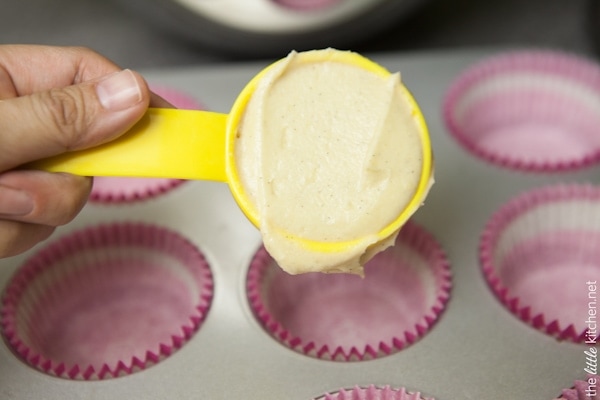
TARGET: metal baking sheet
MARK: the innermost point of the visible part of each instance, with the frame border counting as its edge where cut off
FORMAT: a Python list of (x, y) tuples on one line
[(477, 350)]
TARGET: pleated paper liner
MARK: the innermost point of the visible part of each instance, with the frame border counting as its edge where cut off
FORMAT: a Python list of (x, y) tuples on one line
[(588, 389), (535, 110), (373, 392), (540, 251), (344, 317), (106, 301), (111, 190)]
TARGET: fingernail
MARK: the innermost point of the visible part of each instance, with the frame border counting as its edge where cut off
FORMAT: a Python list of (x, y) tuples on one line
[(14, 202), (119, 91)]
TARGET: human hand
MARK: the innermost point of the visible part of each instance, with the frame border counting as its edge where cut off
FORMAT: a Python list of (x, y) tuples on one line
[(54, 100)]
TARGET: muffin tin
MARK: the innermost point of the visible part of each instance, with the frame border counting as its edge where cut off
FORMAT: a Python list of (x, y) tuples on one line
[(476, 349)]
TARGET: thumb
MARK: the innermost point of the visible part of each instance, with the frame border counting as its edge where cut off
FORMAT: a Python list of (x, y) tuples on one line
[(72, 118)]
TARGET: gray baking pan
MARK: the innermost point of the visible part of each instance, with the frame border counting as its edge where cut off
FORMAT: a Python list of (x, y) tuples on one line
[(477, 349)]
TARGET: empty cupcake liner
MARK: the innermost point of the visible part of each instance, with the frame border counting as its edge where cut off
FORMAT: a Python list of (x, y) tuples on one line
[(176, 97), (373, 392), (528, 110), (539, 254), (583, 390), (112, 190), (344, 317), (106, 301), (125, 190)]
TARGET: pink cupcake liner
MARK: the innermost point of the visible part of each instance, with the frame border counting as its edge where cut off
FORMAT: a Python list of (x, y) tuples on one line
[(373, 392), (535, 111), (177, 97), (583, 390), (112, 190), (539, 251), (344, 317), (106, 301), (124, 190)]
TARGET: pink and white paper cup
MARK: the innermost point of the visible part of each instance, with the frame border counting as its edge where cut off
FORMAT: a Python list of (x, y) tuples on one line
[(533, 110), (540, 252), (373, 392), (106, 301), (588, 389), (111, 190), (344, 317)]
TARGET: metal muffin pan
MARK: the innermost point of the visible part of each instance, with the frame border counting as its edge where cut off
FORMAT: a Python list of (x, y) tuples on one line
[(477, 349)]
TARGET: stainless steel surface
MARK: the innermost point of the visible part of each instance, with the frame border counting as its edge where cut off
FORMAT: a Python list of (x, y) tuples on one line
[(478, 350)]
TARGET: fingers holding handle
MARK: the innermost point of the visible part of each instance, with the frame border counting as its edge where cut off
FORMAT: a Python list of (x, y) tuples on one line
[(50, 122), (75, 117)]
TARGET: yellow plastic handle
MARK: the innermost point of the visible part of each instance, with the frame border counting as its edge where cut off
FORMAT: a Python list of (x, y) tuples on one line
[(200, 145), (165, 143)]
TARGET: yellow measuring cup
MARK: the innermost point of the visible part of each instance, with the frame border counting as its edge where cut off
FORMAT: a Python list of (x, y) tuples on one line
[(200, 145)]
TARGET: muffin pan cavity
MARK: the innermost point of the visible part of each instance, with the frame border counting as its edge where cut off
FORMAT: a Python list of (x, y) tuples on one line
[(106, 301), (541, 251), (346, 317), (528, 110)]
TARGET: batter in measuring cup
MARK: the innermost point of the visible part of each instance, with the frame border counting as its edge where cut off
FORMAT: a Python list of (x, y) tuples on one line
[(328, 152)]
